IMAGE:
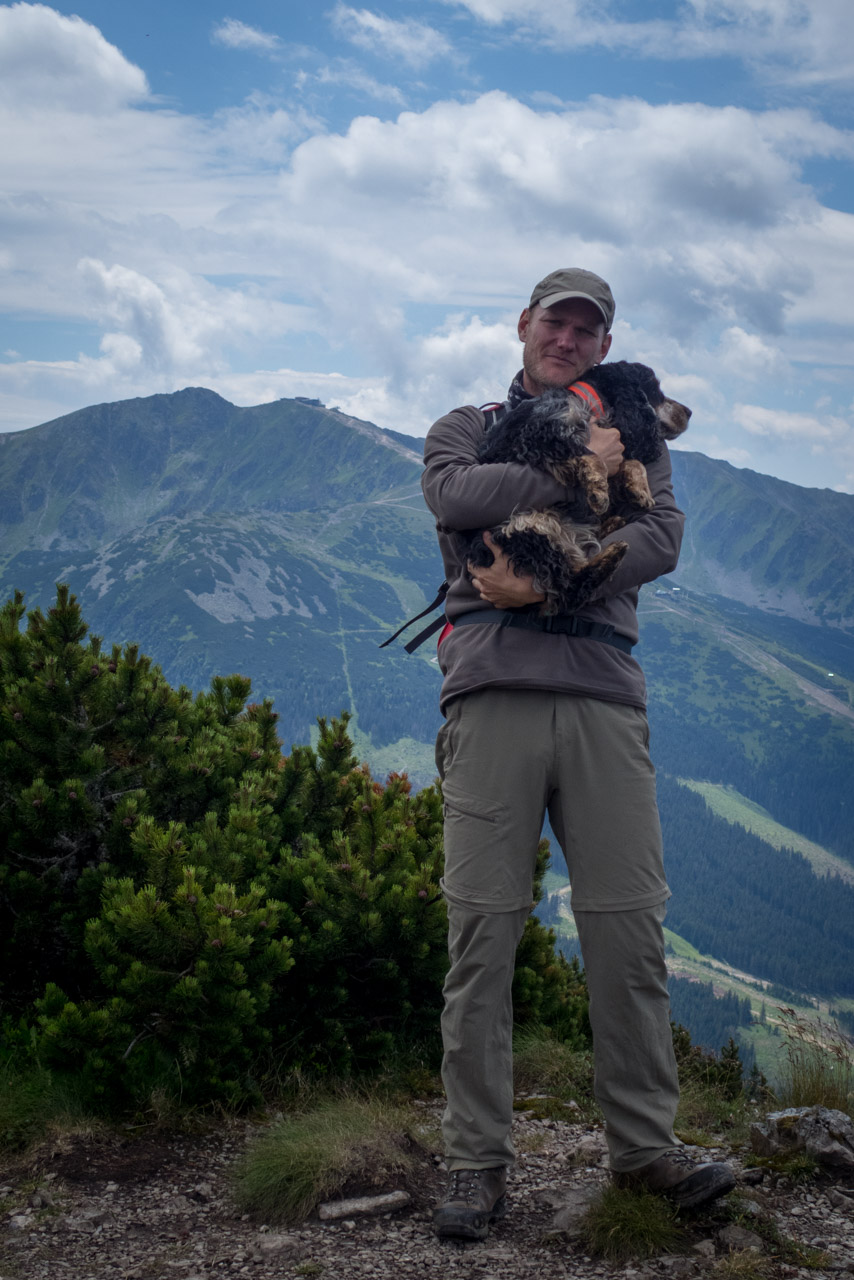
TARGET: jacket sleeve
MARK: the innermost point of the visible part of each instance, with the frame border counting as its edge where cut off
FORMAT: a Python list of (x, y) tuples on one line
[(654, 536), (463, 493)]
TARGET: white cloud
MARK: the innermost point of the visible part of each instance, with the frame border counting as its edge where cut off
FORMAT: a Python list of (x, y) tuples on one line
[(498, 11), (810, 42), (412, 42), (750, 354), (716, 447), (816, 430), (235, 34), (260, 130), (405, 248), (703, 228), (178, 324), (57, 61), (350, 76), (699, 227)]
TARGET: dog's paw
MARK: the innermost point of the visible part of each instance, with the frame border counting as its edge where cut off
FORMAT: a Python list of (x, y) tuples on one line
[(610, 525), (634, 485), (590, 475)]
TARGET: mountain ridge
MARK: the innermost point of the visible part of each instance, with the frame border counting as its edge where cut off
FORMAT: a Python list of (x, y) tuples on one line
[(791, 567), (287, 540)]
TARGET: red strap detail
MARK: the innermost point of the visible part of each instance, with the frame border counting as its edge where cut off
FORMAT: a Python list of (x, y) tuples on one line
[(446, 631), (585, 391)]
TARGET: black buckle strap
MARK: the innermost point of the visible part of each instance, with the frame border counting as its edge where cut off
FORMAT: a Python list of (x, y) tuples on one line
[(563, 624), (428, 631)]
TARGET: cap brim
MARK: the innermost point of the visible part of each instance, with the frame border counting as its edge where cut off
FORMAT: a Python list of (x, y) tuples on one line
[(551, 298)]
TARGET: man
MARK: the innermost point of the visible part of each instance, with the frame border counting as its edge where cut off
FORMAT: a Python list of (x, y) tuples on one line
[(550, 720)]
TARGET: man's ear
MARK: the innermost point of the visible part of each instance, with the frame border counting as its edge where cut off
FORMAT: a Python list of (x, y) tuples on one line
[(522, 326), (605, 348)]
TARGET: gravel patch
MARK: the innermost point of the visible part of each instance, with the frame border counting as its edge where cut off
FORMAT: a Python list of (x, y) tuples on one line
[(153, 1208)]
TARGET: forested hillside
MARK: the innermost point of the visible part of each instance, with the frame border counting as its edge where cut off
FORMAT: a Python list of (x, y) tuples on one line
[(761, 910), (728, 705), (712, 1019)]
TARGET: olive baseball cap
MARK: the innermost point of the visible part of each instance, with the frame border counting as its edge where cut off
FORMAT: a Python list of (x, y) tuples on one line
[(575, 282)]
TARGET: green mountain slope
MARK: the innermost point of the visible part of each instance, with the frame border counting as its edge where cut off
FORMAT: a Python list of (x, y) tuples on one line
[(282, 542), (766, 543), (107, 470), (729, 804), (727, 705)]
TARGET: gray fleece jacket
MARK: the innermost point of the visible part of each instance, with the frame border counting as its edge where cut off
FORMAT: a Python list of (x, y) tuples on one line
[(464, 494)]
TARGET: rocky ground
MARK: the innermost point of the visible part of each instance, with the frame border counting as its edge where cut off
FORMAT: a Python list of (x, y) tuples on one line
[(99, 1207)]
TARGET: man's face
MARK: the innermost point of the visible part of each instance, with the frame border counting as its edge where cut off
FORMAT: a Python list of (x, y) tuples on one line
[(561, 343)]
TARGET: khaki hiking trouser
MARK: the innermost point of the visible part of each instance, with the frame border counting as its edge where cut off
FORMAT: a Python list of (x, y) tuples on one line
[(506, 757)]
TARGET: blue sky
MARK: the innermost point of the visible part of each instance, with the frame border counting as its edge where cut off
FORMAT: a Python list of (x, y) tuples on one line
[(278, 199)]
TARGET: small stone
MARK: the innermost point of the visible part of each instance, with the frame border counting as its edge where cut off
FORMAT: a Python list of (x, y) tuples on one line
[(274, 1246), (752, 1177), (705, 1248), (550, 1197), (734, 1237), (590, 1150), (575, 1205), (88, 1220)]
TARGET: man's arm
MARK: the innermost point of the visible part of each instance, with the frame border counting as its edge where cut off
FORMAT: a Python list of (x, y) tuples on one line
[(654, 539), (464, 493)]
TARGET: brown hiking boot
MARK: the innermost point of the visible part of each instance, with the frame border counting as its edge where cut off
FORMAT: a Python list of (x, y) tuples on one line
[(675, 1175), (474, 1199)]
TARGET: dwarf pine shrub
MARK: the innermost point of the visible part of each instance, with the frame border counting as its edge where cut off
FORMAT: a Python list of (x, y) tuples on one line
[(183, 908)]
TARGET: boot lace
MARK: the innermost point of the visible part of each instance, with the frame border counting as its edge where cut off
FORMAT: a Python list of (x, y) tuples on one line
[(464, 1184)]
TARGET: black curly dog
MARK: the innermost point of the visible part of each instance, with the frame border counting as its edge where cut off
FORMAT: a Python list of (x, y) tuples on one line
[(560, 547)]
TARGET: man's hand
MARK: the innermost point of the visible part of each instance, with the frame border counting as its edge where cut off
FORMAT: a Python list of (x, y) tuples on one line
[(498, 584), (605, 442)]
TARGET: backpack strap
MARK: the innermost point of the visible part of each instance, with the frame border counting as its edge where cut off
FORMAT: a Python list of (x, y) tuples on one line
[(430, 629), (493, 413), (561, 624)]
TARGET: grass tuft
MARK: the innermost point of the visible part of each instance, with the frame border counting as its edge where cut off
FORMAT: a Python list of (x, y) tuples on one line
[(544, 1065), (33, 1104), (819, 1066), (742, 1264), (796, 1165), (623, 1225), (304, 1159)]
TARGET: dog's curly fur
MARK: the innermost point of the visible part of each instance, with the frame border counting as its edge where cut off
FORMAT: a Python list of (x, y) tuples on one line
[(560, 547)]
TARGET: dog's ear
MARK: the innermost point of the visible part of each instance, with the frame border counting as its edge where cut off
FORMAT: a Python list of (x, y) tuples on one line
[(673, 418)]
